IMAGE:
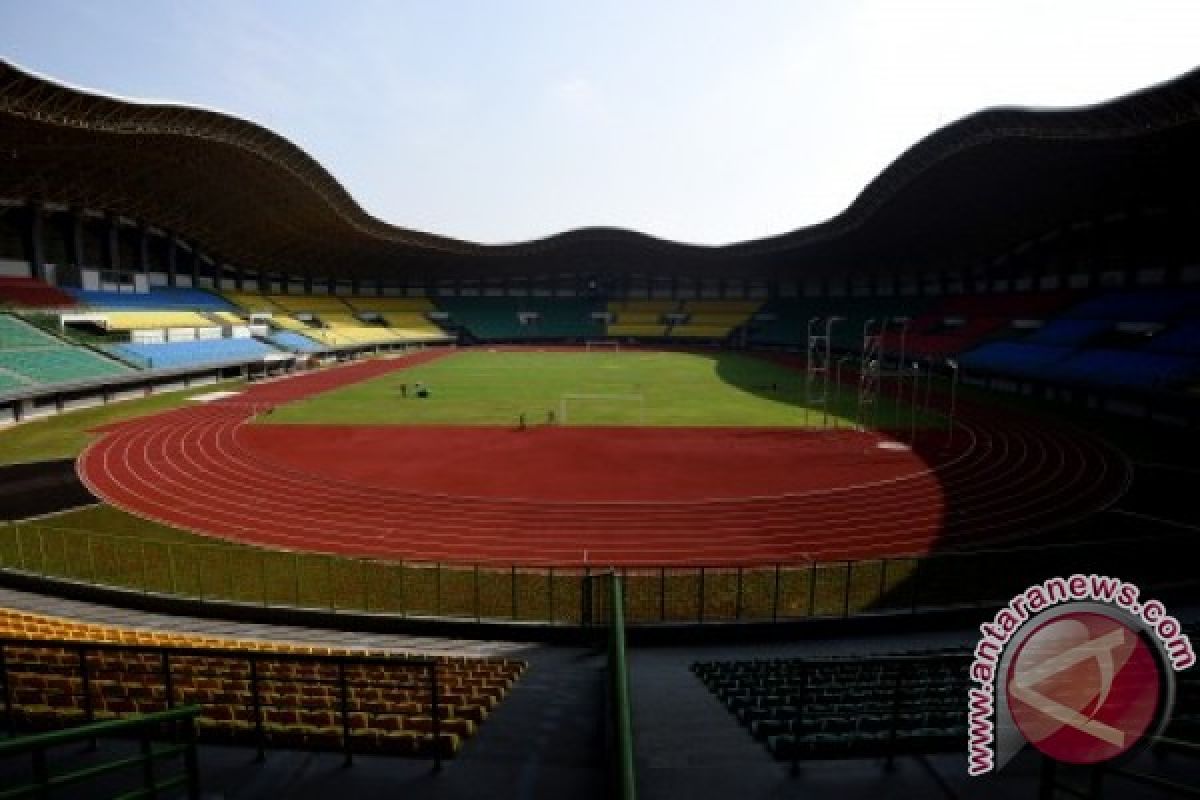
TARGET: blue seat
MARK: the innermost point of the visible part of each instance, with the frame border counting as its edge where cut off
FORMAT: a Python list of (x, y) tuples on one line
[(1016, 358), (157, 299), (187, 354)]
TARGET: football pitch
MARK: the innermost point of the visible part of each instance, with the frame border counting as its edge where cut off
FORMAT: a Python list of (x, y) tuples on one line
[(483, 387)]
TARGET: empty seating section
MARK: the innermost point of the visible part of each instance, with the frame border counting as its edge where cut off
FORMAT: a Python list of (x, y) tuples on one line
[(310, 304), (1147, 340), (336, 322), (641, 318), (348, 329), (831, 708), (958, 322), (157, 299), (15, 333), (405, 316), (151, 320), (1016, 358), (30, 357), (60, 364), (416, 305), (296, 342), (186, 354), (1148, 305), (32, 293), (1068, 332), (785, 321), (522, 318), (320, 335), (294, 695), (713, 319), (252, 302)]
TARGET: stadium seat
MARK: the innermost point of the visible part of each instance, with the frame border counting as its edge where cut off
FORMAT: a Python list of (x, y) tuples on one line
[(32, 293), (157, 299)]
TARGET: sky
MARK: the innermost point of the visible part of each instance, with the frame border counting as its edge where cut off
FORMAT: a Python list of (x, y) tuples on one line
[(506, 120)]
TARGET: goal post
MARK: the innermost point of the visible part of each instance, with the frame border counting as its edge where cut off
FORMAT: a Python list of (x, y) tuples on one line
[(602, 408), (602, 345)]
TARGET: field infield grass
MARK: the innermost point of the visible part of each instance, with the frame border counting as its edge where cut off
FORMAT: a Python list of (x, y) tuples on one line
[(66, 435), (483, 387)]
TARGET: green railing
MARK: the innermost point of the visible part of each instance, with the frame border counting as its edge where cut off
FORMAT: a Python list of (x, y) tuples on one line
[(620, 704), (144, 728), (779, 592)]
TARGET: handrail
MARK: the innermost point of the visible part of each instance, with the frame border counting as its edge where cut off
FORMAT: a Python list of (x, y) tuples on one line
[(253, 658), (618, 666), (143, 726), (94, 730)]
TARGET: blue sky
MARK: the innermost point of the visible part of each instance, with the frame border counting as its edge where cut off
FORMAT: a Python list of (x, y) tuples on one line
[(700, 121)]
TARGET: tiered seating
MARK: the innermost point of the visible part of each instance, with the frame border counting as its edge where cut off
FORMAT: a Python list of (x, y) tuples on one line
[(15, 333), (187, 354), (297, 689), (500, 318), (959, 322), (411, 305), (1110, 341), (784, 321), (1146, 305), (713, 319), (640, 318), (309, 303), (59, 364), (252, 302), (846, 707), (349, 329), (152, 320), (157, 299), (321, 335), (1068, 332), (1016, 358), (406, 316), (295, 342), (32, 293), (29, 357), (564, 318)]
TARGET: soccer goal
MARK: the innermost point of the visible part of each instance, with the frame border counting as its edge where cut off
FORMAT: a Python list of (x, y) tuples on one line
[(612, 346), (602, 409)]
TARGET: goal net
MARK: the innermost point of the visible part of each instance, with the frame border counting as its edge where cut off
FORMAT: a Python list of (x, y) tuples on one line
[(602, 409), (609, 346)]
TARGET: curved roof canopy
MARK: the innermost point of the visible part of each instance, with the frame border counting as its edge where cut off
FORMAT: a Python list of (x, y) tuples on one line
[(974, 188)]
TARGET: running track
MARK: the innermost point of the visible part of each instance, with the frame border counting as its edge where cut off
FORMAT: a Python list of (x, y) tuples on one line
[(1006, 477)]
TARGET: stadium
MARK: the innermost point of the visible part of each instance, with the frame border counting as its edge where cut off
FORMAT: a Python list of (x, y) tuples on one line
[(288, 487)]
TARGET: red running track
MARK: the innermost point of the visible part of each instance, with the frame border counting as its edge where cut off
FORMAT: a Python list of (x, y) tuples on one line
[(569, 496)]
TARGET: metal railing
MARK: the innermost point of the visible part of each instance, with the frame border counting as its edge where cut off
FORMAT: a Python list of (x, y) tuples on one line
[(145, 728), (692, 594), (620, 705), (170, 659)]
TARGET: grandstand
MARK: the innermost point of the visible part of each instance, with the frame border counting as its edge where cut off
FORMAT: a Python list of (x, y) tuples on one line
[(994, 402)]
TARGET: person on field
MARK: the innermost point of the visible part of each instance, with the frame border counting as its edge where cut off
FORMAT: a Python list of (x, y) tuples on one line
[(404, 390)]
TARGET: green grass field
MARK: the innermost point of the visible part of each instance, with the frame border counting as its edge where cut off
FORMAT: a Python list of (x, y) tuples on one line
[(65, 435), (655, 389)]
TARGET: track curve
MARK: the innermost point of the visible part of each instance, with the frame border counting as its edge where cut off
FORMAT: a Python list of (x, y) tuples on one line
[(1006, 476)]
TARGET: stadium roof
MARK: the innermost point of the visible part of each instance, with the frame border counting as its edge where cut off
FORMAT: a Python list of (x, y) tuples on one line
[(978, 186)]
